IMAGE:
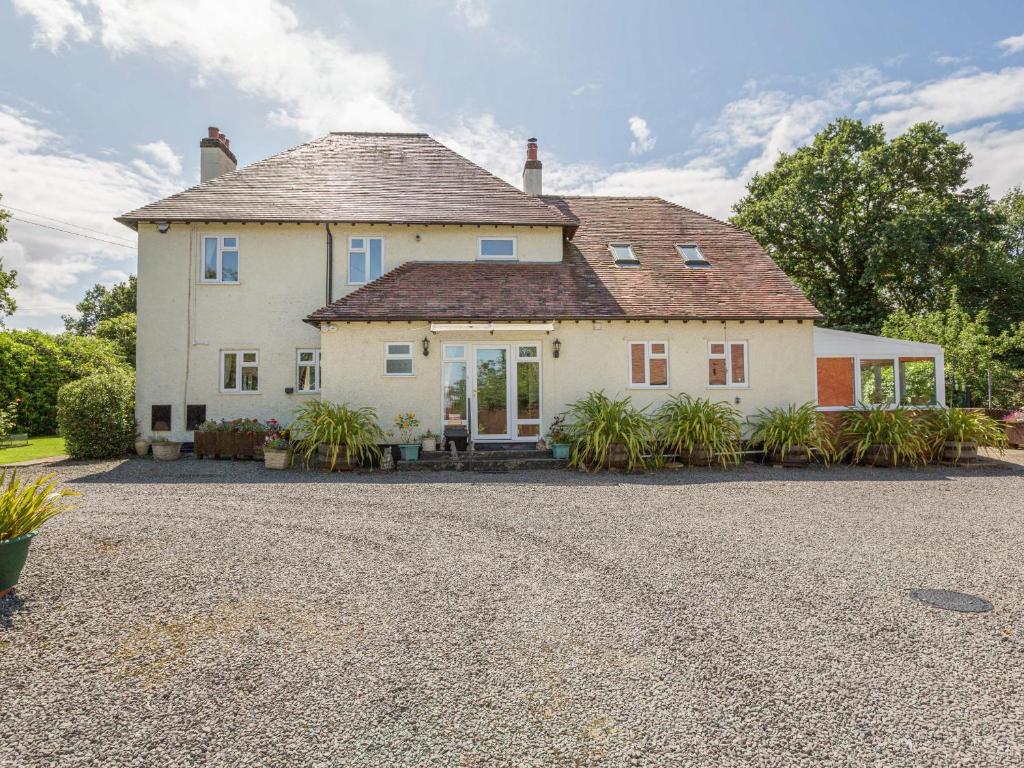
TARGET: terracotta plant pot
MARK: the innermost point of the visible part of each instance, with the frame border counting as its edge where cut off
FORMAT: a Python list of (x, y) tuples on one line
[(277, 458), (166, 451), (141, 447), (13, 554)]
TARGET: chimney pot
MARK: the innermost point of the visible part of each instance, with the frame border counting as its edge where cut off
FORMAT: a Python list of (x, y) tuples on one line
[(215, 156), (221, 136), (531, 149), (532, 169), (213, 132)]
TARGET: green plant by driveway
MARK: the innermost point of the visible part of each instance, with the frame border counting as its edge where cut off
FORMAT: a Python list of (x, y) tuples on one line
[(961, 426), (352, 434), (686, 426), (801, 430), (599, 427), (96, 415), (885, 436)]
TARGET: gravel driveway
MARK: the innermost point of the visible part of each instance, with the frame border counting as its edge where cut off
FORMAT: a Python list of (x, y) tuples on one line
[(219, 614)]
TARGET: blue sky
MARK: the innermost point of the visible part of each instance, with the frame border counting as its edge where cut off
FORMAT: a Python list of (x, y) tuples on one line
[(103, 102)]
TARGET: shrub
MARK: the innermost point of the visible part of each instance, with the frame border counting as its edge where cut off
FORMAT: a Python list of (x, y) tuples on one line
[(26, 506), (96, 415), (897, 431), (337, 426), (595, 423), (801, 428), (685, 424), (960, 425), (8, 418)]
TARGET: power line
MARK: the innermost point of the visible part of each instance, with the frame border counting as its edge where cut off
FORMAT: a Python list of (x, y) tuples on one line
[(69, 232), (69, 223)]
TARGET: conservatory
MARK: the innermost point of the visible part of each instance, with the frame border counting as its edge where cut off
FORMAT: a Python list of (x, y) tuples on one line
[(856, 370)]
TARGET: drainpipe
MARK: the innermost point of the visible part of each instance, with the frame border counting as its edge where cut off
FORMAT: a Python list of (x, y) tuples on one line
[(330, 263)]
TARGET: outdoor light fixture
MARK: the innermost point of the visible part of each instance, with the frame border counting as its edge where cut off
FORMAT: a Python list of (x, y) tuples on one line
[(162, 227), (556, 347), (426, 346)]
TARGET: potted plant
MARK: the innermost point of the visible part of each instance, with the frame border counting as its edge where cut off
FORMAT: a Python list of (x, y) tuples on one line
[(884, 437), (204, 439), (277, 450), (405, 424), (165, 449), (428, 442), (1014, 423), (793, 436), (954, 434), (24, 507), (606, 433), (698, 431), (141, 444), (336, 435), (558, 438)]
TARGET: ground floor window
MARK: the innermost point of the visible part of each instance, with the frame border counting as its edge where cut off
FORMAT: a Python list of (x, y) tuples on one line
[(848, 382), (917, 381), (877, 381), (240, 371), (308, 379), (648, 364), (727, 364), (398, 358)]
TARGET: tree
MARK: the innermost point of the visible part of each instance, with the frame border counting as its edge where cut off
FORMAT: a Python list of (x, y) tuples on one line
[(972, 352), (868, 226), (102, 303), (120, 331), (7, 283)]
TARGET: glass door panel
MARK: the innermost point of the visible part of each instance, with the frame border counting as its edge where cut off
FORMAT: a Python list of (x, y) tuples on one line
[(454, 389), (491, 406)]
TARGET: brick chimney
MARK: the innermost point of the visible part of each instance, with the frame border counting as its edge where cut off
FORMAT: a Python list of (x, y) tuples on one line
[(532, 169), (216, 157)]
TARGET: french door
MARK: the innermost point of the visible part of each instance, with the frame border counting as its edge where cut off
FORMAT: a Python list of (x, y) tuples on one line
[(497, 386)]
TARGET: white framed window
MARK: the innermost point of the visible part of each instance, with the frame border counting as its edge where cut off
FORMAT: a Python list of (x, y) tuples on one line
[(220, 259), (648, 364), (502, 248), (365, 259), (527, 391), (307, 370), (692, 255), (727, 364), (623, 254), (398, 358), (240, 371)]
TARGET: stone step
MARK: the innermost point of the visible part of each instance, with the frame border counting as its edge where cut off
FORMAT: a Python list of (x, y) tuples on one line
[(476, 463), (492, 455)]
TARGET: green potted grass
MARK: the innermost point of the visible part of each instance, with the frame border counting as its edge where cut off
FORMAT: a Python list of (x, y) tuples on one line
[(698, 431), (883, 437), (405, 424), (954, 434), (24, 507), (336, 435), (607, 434), (559, 438), (793, 436)]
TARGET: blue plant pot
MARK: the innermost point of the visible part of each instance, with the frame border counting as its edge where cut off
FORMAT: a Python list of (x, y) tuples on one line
[(410, 452), (560, 450)]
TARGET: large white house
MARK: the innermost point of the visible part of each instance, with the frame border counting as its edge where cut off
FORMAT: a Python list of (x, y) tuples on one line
[(384, 269)]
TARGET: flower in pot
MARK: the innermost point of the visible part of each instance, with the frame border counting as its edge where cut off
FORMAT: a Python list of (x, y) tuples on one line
[(884, 437), (405, 425), (954, 434), (336, 435), (277, 450), (558, 438), (428, 442), (1014, 424), (165, 449), (793, 436), (607, 433), (698, 431), (24, 507)]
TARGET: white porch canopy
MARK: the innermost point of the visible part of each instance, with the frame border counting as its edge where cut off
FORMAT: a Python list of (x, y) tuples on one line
[(857, 369)]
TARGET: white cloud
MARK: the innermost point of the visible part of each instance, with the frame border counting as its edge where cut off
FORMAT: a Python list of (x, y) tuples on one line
[(586, 88), (473, 13), (56, 20), (1011, 45), (643, 139), (318, 83), (43, 176), (998, 156)]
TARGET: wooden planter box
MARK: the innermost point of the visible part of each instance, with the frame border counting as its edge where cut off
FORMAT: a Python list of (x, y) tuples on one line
[(204, 444), (879, 456), (794, 457), (959, 453), (1015, 433), (323, 454)]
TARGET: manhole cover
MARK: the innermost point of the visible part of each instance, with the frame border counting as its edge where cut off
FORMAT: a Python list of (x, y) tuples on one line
[(951, 601)]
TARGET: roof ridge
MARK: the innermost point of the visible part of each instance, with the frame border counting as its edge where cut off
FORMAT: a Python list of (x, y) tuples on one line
[(379, 133)]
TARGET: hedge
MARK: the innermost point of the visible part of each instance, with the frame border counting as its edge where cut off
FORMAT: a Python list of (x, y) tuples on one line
[(35, 365), (96, 415)]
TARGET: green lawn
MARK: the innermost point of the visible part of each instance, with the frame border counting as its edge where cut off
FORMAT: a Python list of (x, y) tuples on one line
[(36, 448)]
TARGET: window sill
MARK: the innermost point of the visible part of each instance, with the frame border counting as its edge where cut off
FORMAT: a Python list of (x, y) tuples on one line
[(728, 386), (399, 375), (649, 386), (237, 392), (220, 282)]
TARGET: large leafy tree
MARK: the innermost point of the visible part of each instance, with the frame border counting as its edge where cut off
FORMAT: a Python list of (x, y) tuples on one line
[(7, 284), (102, 303), (120, 331), (868, 226)]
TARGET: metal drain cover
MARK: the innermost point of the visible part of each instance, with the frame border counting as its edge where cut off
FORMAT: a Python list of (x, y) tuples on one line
[(951, 601)]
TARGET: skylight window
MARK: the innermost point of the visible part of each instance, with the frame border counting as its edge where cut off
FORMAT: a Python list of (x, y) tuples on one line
[(693, 256), (623, 254)]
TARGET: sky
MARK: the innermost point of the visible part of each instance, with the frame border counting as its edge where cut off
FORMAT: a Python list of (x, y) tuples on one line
[(103, 102)]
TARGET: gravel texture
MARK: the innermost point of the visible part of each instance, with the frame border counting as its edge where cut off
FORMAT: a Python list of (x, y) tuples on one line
[(209, 613)]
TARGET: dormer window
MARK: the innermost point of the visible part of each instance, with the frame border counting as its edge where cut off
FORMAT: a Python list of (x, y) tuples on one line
[(692, 255), (497, 248), (623, 255)]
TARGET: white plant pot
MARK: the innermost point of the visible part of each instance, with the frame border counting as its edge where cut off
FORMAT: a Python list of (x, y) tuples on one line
[(428, 444), (141, 447)]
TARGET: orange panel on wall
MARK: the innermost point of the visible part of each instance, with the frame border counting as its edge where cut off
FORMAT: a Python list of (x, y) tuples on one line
[(835, 381)]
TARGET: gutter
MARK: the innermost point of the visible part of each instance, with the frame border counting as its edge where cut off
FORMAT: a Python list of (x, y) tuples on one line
[(330, 263)]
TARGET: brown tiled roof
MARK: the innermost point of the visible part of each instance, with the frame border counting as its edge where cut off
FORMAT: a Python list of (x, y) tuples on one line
[(358, 177), (742, 282)]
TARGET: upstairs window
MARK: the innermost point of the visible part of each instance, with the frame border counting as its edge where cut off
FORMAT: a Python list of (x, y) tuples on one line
[(365, 259), (308, 379), (497, 248), (693, 256), (240, 371), (648, 364), (220, 259), (727, 364), (623, 254)]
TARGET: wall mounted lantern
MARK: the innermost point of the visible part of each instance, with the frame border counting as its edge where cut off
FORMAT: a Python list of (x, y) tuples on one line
[(426, 346), (556, 347)]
